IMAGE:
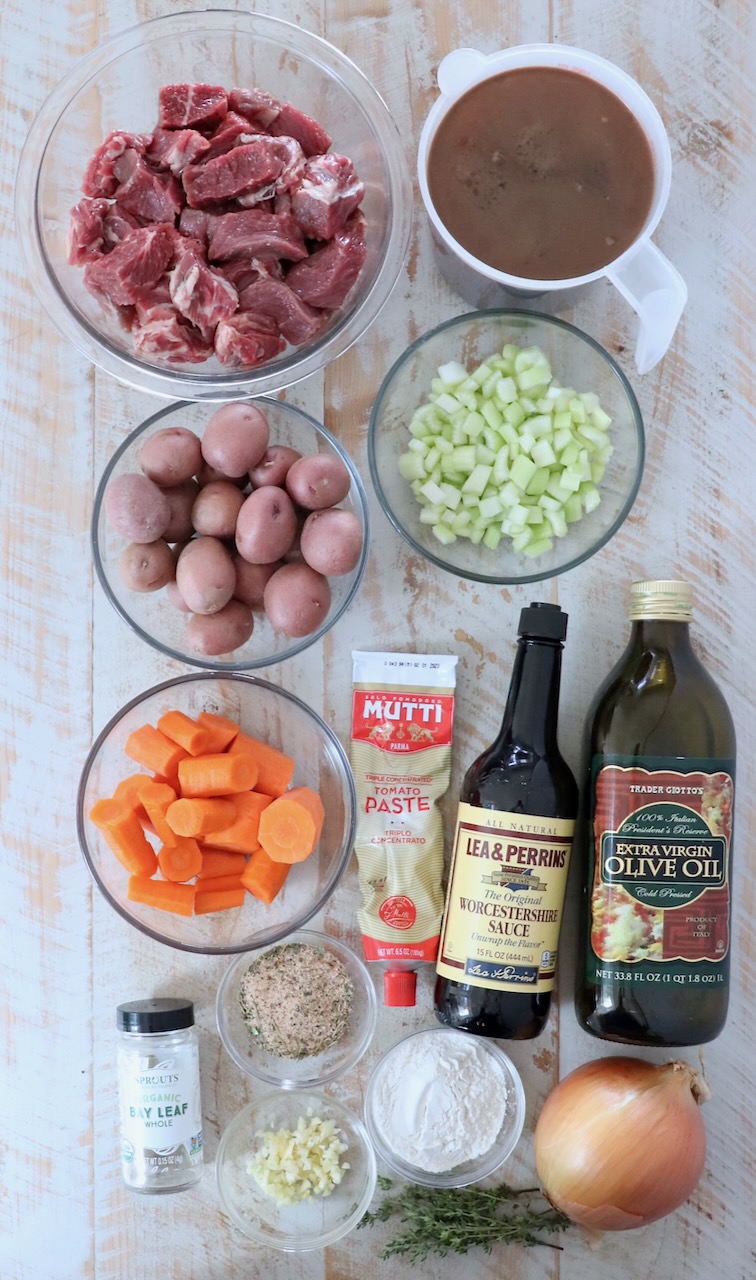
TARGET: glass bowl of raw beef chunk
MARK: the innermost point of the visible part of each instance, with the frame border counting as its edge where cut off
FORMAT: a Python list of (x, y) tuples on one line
[(230, 537), (213, 204)]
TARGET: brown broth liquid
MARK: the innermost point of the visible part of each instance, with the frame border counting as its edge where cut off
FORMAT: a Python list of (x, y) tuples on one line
[(542, 173)]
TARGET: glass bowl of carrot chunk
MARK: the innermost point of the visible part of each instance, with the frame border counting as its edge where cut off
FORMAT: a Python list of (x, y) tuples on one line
[(216, 812)]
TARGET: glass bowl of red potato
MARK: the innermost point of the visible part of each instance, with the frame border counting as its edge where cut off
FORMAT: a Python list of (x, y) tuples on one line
[(226, 571), (216, 812), (213, 204)]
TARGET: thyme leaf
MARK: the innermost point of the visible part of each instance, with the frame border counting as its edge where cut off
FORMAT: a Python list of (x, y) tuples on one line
[(435, 1220)]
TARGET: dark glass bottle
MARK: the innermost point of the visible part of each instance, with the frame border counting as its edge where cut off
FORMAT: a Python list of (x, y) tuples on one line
[(498, 948), (655, 837)]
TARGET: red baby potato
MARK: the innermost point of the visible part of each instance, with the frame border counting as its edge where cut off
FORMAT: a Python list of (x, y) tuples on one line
[(170, 456), (175, 597), (251, 580), (235, 438), (266, 525), (216, 508), (274, 466), (297, 600), (220, 632), (205, 575), (318, 481), (331, 541), (208, 474), (147, 566), (136, 507), (181, 499)]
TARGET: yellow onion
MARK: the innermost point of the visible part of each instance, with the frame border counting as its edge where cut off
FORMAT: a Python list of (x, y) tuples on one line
[(621, 1142)]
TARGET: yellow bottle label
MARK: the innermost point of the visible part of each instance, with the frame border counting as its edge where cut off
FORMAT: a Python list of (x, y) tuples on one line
[(504, 902)]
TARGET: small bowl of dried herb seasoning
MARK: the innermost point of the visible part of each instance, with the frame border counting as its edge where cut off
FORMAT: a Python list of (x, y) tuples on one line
[(297, 1014), (295, 1170)]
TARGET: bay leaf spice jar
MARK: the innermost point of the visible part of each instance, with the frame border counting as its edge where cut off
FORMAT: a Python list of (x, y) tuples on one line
[(159, 1093)]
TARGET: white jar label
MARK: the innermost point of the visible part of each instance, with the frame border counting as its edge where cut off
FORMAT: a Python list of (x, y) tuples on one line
[(160, 1102)]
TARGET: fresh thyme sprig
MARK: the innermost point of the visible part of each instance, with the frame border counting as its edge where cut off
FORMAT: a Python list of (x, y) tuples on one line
[(436, 1220)]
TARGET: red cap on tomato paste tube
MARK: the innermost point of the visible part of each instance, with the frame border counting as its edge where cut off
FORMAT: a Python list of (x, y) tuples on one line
[(399, 988)]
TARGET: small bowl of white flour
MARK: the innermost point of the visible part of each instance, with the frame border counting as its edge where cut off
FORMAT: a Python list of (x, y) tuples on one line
[(444, 1108)]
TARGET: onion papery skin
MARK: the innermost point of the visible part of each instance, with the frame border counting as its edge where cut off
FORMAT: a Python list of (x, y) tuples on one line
[(621, 1142)]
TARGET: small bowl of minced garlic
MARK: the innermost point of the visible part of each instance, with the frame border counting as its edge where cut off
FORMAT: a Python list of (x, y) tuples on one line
[(297, 1014), (296, 1170)]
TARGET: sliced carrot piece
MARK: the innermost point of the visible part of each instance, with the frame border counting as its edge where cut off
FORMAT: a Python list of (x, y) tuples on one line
[(195, 817), (290, 827), (156, 798), (128, 791), (219, 774), (180, 861), (207, 884), (150, 748), (122, 832), (217, 900), (242, 834), (162, 893), (216, 862), (275, 770), (181, 729), (220, 730), (264, 878)]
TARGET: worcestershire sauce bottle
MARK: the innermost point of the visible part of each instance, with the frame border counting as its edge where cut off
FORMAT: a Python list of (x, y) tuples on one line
[(498, 948), (656, 832)]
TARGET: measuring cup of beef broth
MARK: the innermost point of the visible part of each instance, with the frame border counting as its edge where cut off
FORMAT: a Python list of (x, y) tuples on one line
[(543, 167)]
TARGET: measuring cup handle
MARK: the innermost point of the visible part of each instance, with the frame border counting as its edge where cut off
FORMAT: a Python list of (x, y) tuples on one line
[(459, 69), (657, 291)]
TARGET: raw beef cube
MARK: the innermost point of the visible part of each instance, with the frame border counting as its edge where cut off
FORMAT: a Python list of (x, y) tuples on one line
[(152, 196), (311, 137), (165, 334), (252, 233), (325, 277), (242, 272), (201, 295), (230, 133), (183, 104), (297, 321), (154, 303), (86, 233), (251, 167), (194, 223), (292, 159), (256, 105), (117, 224), (100, 179), (327, 193), (136, 264), (174, 149), (247, 340)]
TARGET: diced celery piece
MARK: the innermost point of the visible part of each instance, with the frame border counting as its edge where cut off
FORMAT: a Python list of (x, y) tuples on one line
[(571, 480), (547, 503), (477, 479), (411, 466), (534, 378), (482, 454), (467, 399), (522, 471), (437, 387), (468, 385), (447, 517), (492, 537), (514, 414), (501, 465), (488, 387), (430, 515), (573, 508), (538, 548), (577, 410), (480, 374), (473, 425), (447, 403), (493, 439), (470, 500), (591, 497), (590, 400), (476, 536), (431, 458), (417, 445), (509, 494), (558, 523), (434, 493), (461, 520), (444, 534), (509, 353), (518, 517), (540, 425), (491, 414), (490, 507), (526, 440), (534, 516), (521, 540), (505, 391), (444, 446), (591, 435), (556, 489), (600, 419), (538, 481), (561, 439), (570, 454), (563, 420), (597, 472), (451, 496), (543, 454), (452, 373), (458, 435)]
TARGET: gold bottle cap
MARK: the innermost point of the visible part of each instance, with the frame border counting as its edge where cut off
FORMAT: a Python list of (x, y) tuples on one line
[(667, 599)]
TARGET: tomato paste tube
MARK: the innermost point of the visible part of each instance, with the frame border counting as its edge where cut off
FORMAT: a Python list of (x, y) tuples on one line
[(402, 717)]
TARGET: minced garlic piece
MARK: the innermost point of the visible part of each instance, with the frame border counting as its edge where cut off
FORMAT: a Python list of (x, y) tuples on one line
[(299, 1164)]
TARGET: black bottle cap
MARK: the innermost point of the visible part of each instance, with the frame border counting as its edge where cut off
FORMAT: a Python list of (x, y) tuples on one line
[(542, 621), (151, 1016)]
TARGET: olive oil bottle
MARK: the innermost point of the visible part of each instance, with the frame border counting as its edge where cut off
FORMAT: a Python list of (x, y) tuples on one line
[(499, 938), (656, 837)]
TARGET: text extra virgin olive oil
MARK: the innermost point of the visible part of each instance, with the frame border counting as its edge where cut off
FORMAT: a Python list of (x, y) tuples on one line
[(498, 948), (655, 835)]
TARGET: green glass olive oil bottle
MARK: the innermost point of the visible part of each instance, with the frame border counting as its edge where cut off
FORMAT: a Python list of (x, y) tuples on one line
[(655, 835)]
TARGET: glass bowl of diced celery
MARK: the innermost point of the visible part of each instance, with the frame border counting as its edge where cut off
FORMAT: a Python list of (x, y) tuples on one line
[(506, 446)]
